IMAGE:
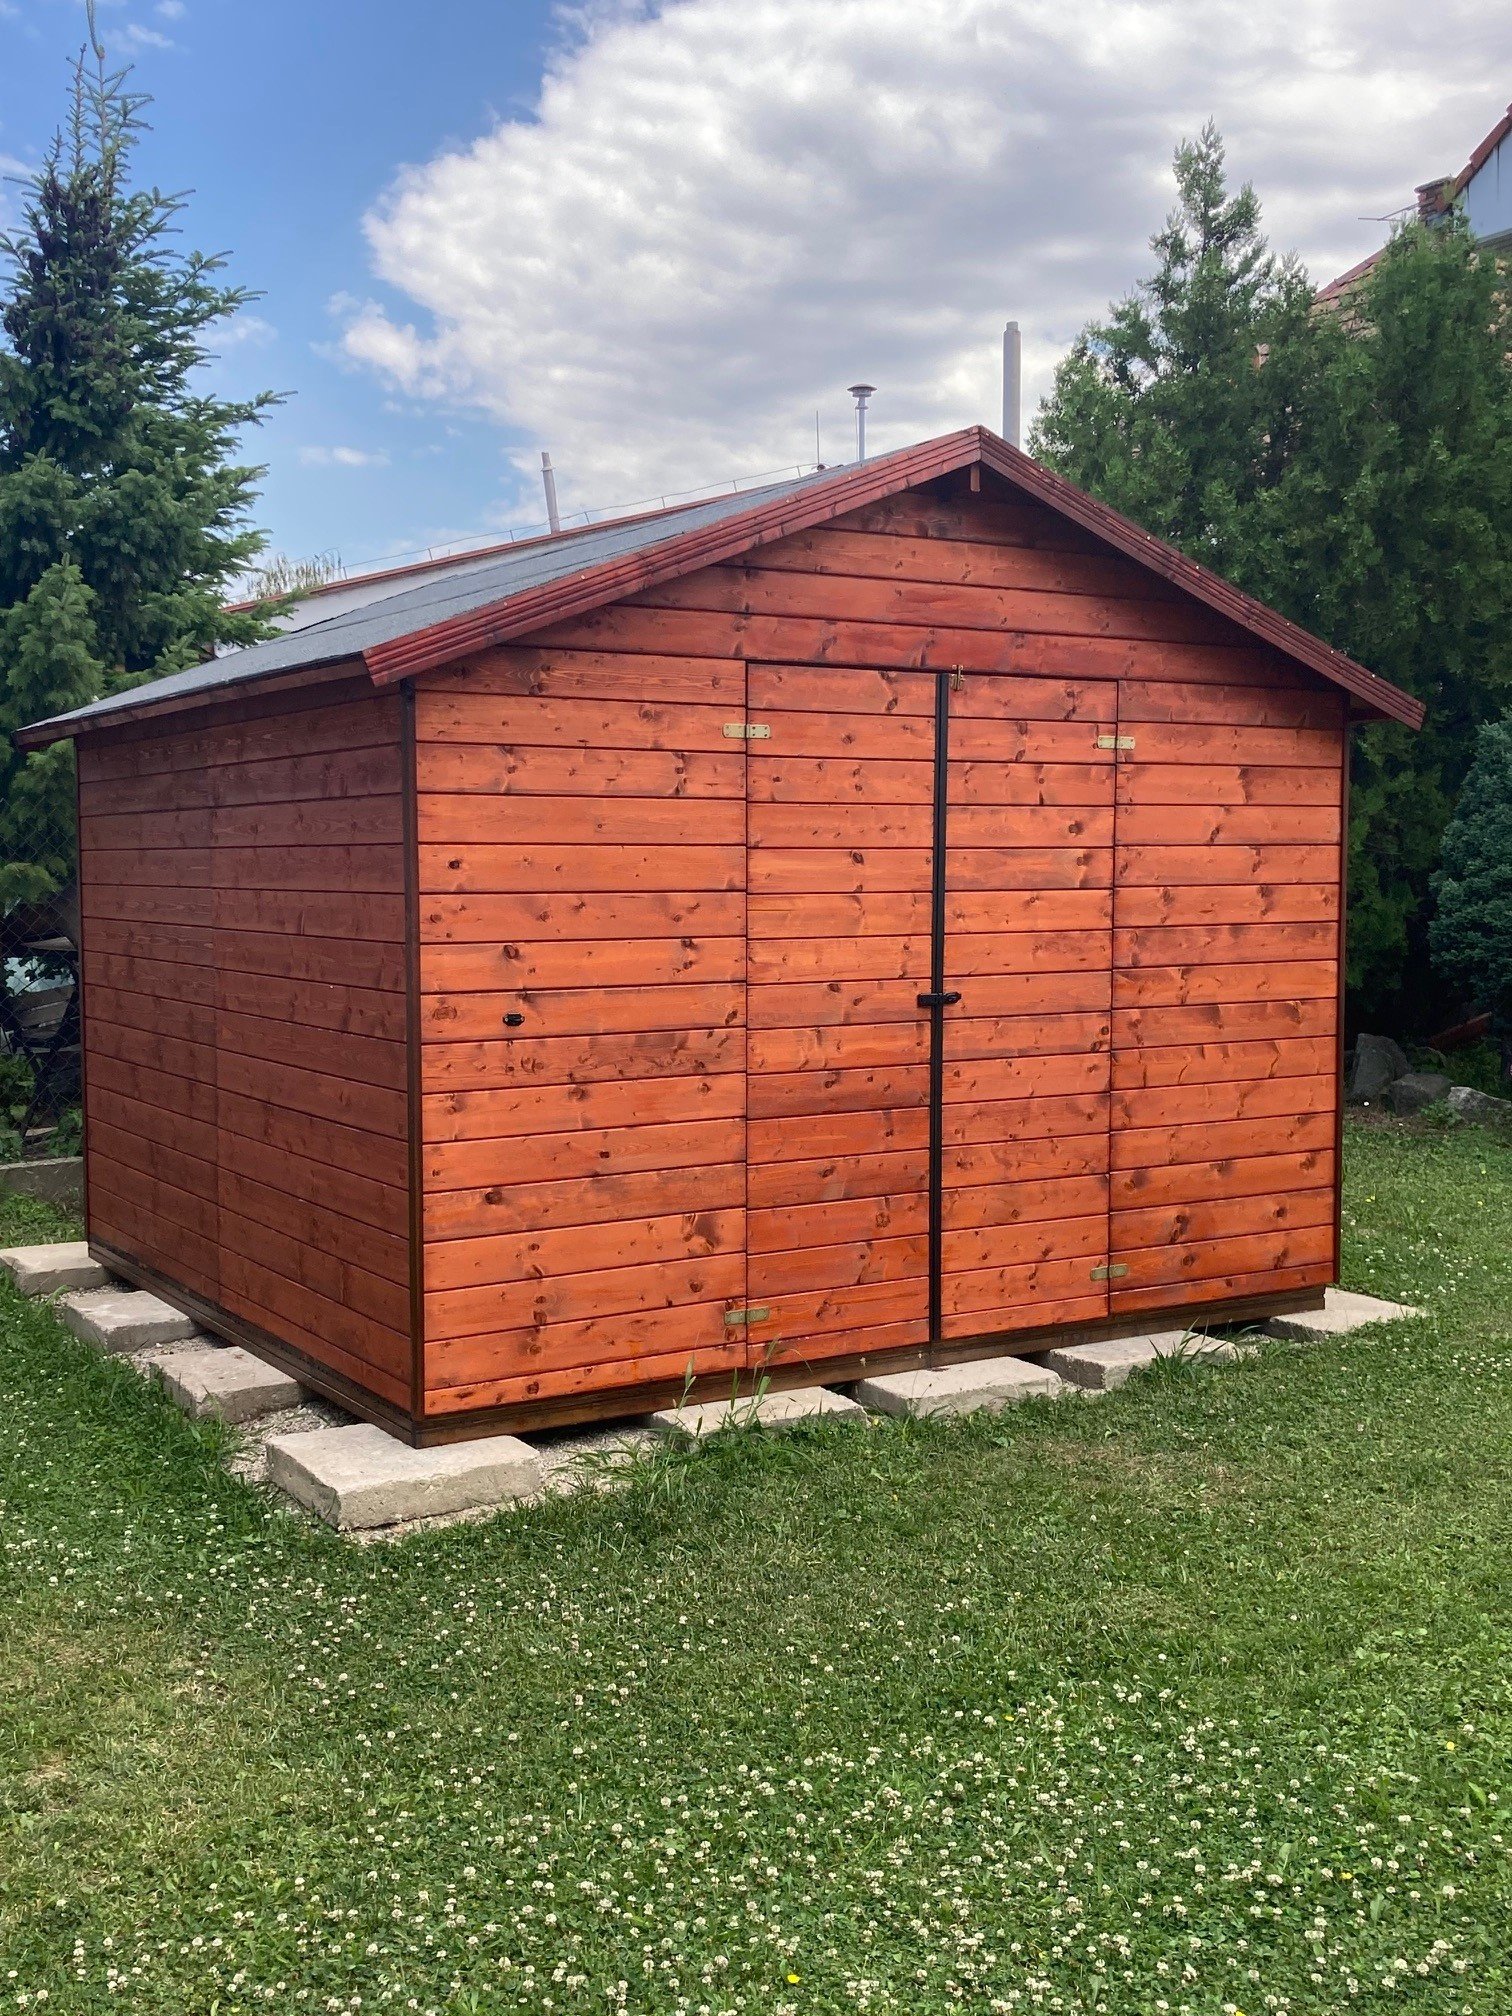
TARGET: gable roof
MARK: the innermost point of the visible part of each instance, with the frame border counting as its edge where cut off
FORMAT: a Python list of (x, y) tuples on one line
[(419, 628)]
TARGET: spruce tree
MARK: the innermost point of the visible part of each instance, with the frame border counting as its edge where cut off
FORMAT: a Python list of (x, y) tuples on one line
[(1472, 932), (1355, 475), (124, 513)]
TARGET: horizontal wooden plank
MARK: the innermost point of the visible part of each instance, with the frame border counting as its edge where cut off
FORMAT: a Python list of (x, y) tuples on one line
[(525, 769), (1137, 782), (1220, 1140), (1219, 944), (852, 1046), (1170, 1105), (594, 1351), (612, 1151), (840, 688), (619, 914), (938, 646), (549, 1251), (1031, 1119), (567, 1298), (1040, 1311), (578, 962), (993, 1292), (298, 913), (476, 819), (315, 1137), (1219, 742), (838, 780), (1026, 1035), (1226, 864), (1181, 986), (514, 1110), (340, 717), (986, 867), (979, 1165), (531, 868), (1221, 1218), (339, 822), (1231, 903), (334, 1277), (273, 780), (502, 719), (839, 870), (1232, 1176), (1027, 1243), (774, 961), (1228, 825), (968, 1082), (327, 1331), (347, 870), (586, 675), (582, 1011), (842, 1317), (837, 1221), (987, 739), (1206, 1063), (969, 562), (1222, 1288), (980, 783), (1033, 1201), (1203, 1260), (1248, 706), (505, 1208), (853, 1264), (580, 1060), (808, 1137), (752, 591), (824, 1179), (1219, 1021), (862, 1089), (840, 826), (616, 1372), (266, 955)]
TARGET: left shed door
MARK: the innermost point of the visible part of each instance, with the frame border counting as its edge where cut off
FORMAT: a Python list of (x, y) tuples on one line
[(581, 828)]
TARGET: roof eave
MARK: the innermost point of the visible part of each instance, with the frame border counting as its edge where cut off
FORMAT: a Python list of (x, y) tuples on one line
[(68, 727)]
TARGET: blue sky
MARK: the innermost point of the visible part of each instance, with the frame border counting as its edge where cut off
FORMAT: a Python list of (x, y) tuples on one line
[(656, 235)]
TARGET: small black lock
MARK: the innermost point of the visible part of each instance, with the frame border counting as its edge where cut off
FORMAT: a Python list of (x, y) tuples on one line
[(513, 1021)]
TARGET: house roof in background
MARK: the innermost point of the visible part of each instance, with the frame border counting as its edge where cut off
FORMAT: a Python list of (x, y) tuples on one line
[(419, 627)]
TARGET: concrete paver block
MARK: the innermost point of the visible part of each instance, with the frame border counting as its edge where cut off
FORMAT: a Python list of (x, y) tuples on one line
[(1343, 1311), (1101, 1367), (225, 1384), (43, 1270), (983, 1384), (124, 1319), (766, 1410), (358, 1476)]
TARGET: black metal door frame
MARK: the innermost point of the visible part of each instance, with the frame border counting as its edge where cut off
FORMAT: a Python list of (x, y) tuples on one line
[(937, 1000)]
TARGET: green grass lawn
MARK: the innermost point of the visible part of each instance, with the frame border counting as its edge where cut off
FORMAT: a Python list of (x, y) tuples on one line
[(1192, 1701)]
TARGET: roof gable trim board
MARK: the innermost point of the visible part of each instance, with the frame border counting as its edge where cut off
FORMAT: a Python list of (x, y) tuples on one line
[(577, 594)]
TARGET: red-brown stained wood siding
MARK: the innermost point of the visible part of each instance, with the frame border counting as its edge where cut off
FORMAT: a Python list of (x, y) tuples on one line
[(588, 836), (242, 879)]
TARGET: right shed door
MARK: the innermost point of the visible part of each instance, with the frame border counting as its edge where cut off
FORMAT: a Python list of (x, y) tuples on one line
[(1226, 967)]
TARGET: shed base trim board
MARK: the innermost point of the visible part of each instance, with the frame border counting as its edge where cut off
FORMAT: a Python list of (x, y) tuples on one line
[(617, 1402)]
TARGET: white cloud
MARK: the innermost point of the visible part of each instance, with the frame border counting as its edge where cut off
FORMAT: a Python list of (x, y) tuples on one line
[(342, 458), (724, 211), (170, 10), (133, 36), (244, 331)]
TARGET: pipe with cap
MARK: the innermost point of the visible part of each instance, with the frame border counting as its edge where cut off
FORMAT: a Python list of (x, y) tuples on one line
[(548, 477), (1012, 376), (860, 393)]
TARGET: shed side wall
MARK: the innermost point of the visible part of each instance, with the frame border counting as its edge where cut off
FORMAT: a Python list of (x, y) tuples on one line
[(242, 882)]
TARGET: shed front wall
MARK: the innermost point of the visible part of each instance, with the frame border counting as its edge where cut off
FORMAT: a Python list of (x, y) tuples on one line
[(708, 1107), (243, 965)]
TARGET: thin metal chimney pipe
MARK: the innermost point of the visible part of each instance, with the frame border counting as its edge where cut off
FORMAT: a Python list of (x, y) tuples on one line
[(1012, 380), (548, 477), (860, 393)]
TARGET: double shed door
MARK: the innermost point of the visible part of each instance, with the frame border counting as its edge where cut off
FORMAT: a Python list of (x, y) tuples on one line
[(1043, 985), (930, 972)]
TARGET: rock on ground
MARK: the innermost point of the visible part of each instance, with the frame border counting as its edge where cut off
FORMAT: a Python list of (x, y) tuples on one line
[(1377, 1063), (1416, 1091), (1462, 1100)]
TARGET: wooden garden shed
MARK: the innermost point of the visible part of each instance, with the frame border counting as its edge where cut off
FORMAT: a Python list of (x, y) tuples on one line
[(890, 916)]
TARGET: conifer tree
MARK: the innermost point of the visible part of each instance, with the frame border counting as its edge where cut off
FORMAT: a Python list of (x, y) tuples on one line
[(1472, 931), (1354, 472), (124, 513)]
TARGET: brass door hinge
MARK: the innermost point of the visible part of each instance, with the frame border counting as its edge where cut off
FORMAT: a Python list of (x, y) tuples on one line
[(734, 1318), (748, 731), (1110, 1272), (1115, 741)]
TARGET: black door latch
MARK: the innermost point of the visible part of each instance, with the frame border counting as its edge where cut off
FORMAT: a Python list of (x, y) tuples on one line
[(938, 1000)]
